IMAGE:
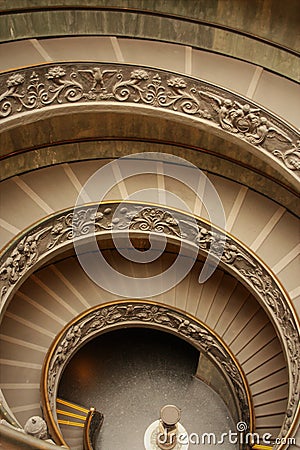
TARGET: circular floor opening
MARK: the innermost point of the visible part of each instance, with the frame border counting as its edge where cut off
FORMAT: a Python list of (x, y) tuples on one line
[(128, 375)]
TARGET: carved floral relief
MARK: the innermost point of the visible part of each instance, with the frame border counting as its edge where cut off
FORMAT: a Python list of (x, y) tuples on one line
[(48, 85)]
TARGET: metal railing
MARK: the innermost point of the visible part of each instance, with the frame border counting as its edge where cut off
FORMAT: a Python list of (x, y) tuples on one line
[(92, 427), (89, 420)]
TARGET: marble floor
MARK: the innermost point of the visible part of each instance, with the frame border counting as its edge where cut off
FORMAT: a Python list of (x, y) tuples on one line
[(129, 374)]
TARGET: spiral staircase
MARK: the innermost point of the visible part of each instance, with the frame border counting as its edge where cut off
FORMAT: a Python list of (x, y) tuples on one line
[(48, 159)]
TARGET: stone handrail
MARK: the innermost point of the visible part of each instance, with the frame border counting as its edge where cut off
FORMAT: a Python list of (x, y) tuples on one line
[(15, 440)]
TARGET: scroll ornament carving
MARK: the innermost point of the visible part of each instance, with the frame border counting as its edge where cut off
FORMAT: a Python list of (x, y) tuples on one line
[(37, 93), (49, 85), (154, 219), (78, 223), (65, 227), (85, 221), (103, 318), (244, 119), (22, 257), (291, 156), (37, 427)]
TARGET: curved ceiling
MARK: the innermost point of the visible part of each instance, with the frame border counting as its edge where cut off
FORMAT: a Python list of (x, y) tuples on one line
[(269, 19), (248, 33)]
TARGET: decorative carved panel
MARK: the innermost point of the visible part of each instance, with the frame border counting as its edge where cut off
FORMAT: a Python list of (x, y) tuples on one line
[(144, 314), (31, 89)]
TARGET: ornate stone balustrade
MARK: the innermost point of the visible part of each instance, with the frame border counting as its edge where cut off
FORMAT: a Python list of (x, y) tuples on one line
[(128, 313), (31, 89), (56, 233)]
